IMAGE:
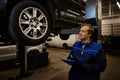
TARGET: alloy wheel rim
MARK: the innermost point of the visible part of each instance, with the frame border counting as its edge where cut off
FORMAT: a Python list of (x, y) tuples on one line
[(33, 23)]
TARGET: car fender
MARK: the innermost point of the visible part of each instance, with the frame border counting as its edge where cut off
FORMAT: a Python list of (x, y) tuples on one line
[(38, 48)]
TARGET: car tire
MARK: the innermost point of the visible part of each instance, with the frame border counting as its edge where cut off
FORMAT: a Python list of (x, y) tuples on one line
[(29, 22), (33, 59), (65, 46), (47, 45)]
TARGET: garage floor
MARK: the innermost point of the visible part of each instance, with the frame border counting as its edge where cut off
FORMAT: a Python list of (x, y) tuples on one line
[(58, 70)]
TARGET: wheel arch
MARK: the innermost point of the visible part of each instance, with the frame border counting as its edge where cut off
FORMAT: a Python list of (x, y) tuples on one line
[(64, 36), (32, 51), (45, 3), (48, 5)]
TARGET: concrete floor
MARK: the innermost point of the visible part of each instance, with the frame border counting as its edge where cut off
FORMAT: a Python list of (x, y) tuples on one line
[(58, 70), (112, 71)]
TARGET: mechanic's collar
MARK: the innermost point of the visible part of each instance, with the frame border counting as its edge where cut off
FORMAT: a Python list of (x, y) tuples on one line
[(89, 43)]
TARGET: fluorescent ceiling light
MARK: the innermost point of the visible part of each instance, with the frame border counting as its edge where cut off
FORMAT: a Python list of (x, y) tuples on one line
[(118, 4), (85, 0)]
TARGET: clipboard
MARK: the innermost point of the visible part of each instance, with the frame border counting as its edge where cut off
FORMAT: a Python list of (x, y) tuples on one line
[(68, 61)]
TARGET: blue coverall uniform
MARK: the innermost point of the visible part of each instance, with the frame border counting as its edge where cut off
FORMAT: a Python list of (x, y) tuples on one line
[(89, 61)]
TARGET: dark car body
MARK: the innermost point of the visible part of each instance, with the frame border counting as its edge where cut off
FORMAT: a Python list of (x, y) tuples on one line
[(111, 42), (57, 14)]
